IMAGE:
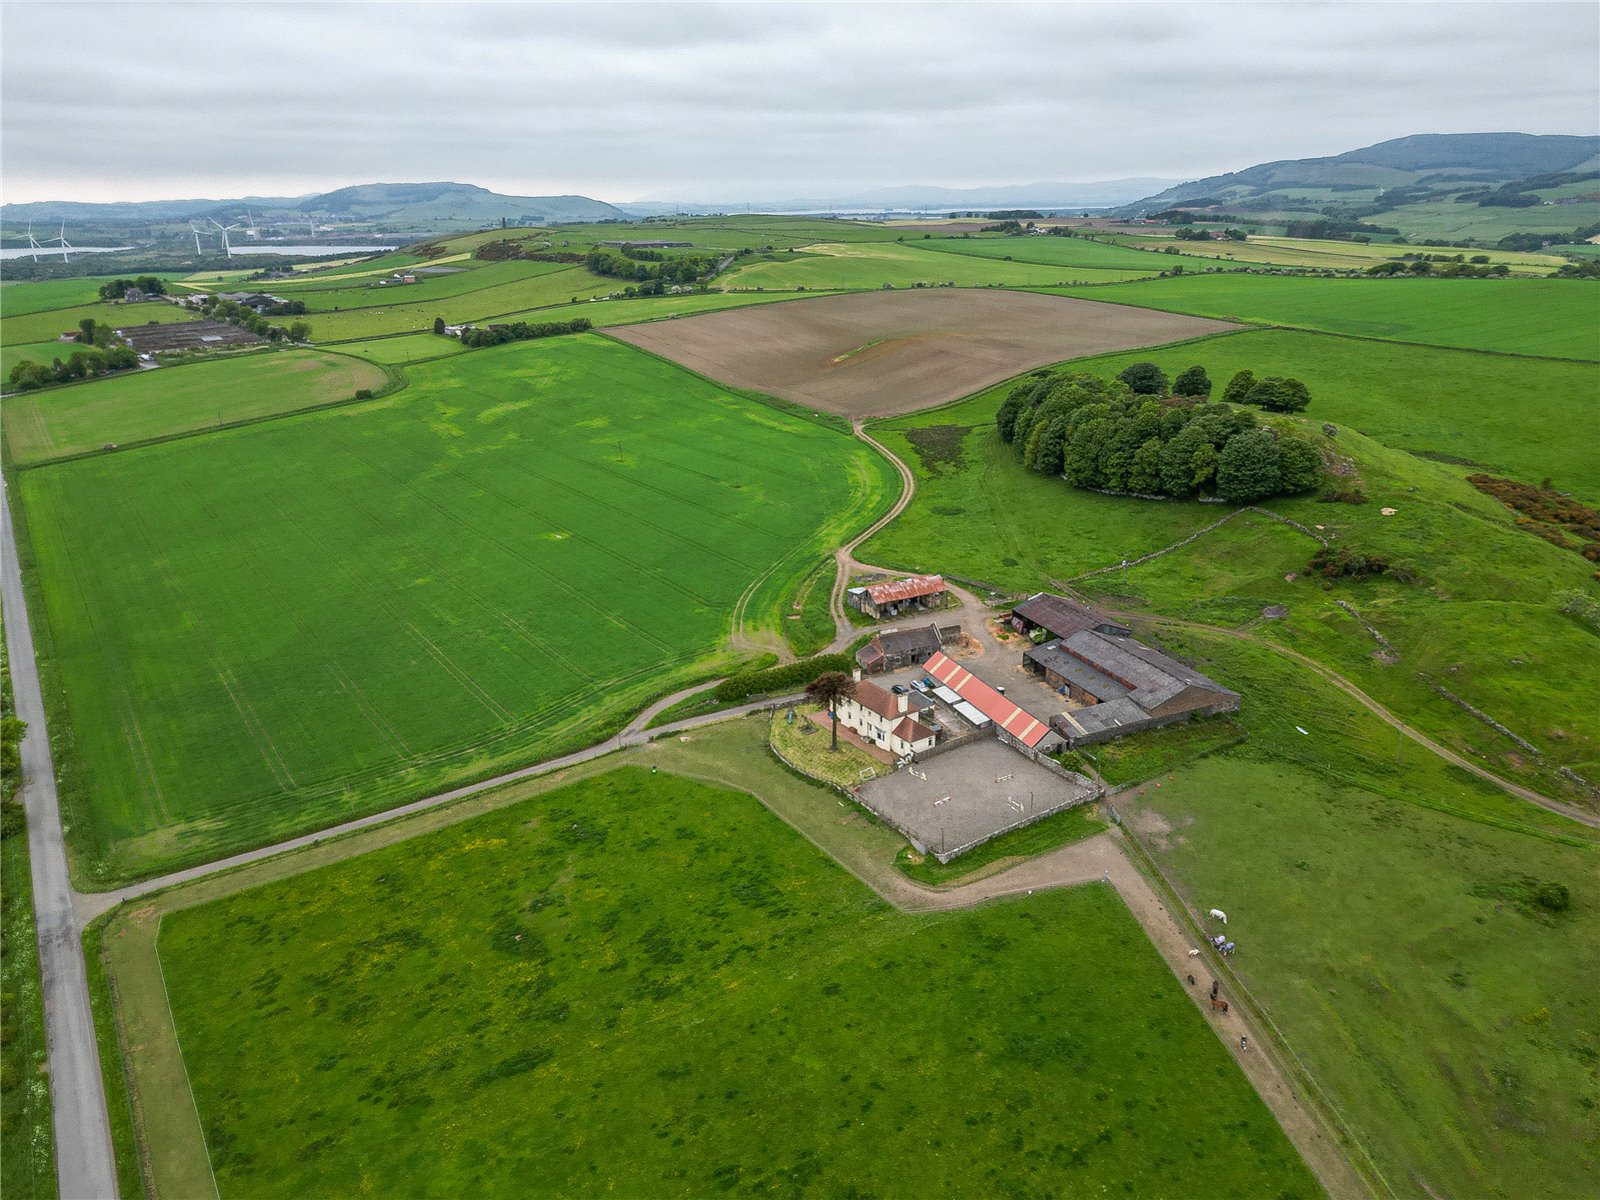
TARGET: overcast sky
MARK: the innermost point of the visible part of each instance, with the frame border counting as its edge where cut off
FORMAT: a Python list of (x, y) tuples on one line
[(129, 101)]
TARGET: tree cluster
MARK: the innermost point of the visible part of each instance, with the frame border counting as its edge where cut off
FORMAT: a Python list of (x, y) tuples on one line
[(247, 318), (1274, 393), (521, 331), (1113, 436), (84, 364), (686, 268), (116, 289)]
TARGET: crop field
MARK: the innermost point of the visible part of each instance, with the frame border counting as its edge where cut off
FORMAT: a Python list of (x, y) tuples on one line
[(142, 405), (1445, 219), (1455, 405), (870, 265), (1549, 317), (1337, 255), (884, 353), (559, 996), (1053, 251), (47, 326), (555, 287), (272, 628), (1386, 918)]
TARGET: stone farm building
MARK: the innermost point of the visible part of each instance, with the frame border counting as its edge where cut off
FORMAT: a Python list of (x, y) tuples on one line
[(1045, 615), (888, 719), (896, 648), (881, 600), (1115, 685)]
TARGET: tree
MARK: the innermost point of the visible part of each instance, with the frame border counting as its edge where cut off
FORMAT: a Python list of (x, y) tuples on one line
[(1193, 382), (1249, 467), (1300, 465), (1145, 378), (299, 331), (438, 326), (1277, 394), (829, 689), (1239, 387), (86, 331)]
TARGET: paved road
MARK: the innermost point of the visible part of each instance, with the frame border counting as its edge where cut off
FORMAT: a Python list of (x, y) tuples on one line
[(85, 1166)]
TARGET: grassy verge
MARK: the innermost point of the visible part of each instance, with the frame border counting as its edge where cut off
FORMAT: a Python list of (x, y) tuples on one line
[(809, 624), (103, 1000), (1060, 829)]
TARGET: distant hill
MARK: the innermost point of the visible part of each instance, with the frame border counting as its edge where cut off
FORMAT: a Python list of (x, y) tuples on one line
[(1454, 185), (399, 206)]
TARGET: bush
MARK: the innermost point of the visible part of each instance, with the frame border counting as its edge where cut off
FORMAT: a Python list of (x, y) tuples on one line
[(1347, 564), (1193, 382), (363, 394), (1239, 387), (790, 677)]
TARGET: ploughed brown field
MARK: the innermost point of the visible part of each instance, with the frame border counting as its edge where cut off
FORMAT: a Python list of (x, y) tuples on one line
[(878, 354)]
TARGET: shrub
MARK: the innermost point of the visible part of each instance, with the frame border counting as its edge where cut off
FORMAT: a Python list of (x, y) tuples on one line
[(790, 677), (1342, 563), (1193, 382), (1145, 379), (1239, 387)]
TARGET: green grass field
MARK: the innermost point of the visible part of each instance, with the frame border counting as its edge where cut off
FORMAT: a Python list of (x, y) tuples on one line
[(49, 325), (1451, 1021), (1444, 219), (369, 293), (1552, 317), (631, 986), (865, 266), (268, 629), (1453, 403), (19, 297), (400, 349), (1053, 251), (143, 405), (557, 287)]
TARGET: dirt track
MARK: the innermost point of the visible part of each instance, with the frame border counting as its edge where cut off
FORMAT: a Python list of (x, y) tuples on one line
[(877, 354)]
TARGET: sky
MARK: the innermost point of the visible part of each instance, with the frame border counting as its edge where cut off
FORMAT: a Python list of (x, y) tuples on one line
[(724, 102)]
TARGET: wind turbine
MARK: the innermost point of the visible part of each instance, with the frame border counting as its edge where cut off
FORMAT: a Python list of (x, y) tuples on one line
[(311, 228), (225, 230), (196, 233), (61, 240), (33, 243)]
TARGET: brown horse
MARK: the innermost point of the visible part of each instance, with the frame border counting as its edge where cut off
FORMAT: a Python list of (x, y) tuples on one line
[(1219, 1005)]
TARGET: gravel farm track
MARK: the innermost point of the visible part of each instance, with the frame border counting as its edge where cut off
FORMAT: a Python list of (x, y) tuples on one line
[(880, 354)]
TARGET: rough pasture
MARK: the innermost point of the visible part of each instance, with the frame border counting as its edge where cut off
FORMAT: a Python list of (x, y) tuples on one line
[(884, 353), (632, 984)]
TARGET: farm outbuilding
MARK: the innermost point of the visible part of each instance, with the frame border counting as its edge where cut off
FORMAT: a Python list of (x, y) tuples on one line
[(896, 648), (919, 593), (1118, 685), (1011, 721), (1059, 617)]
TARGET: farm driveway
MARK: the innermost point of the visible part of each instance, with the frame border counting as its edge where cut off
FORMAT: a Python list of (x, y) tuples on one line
[(882, 353)]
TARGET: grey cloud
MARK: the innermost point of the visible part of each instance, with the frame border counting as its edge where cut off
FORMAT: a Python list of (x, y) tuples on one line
[(717, 101)]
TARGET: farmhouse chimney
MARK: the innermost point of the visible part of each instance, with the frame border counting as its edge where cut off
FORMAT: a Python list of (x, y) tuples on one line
[(903, 699), (856, 674)]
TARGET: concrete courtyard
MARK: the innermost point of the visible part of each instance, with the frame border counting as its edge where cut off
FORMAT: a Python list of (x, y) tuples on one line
[(969, 794)]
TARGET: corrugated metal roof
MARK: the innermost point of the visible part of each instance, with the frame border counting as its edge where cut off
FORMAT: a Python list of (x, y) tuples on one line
[(1151, 676), (906, 589), (1061, 616), (1023, 726)]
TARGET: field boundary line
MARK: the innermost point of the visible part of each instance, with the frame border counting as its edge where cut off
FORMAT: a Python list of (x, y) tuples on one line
[(177, 1038)]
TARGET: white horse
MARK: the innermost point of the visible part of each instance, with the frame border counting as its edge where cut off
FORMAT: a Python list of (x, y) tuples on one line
[(1218, 915), (1194, 954)]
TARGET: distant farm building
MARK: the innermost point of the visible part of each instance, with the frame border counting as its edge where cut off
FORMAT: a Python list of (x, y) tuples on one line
[(1115, 685), (187, 335), (888, 719), (1046, 615), (625, 245), (896, 648), (1012, 723), (919, 593), (252, 300)]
